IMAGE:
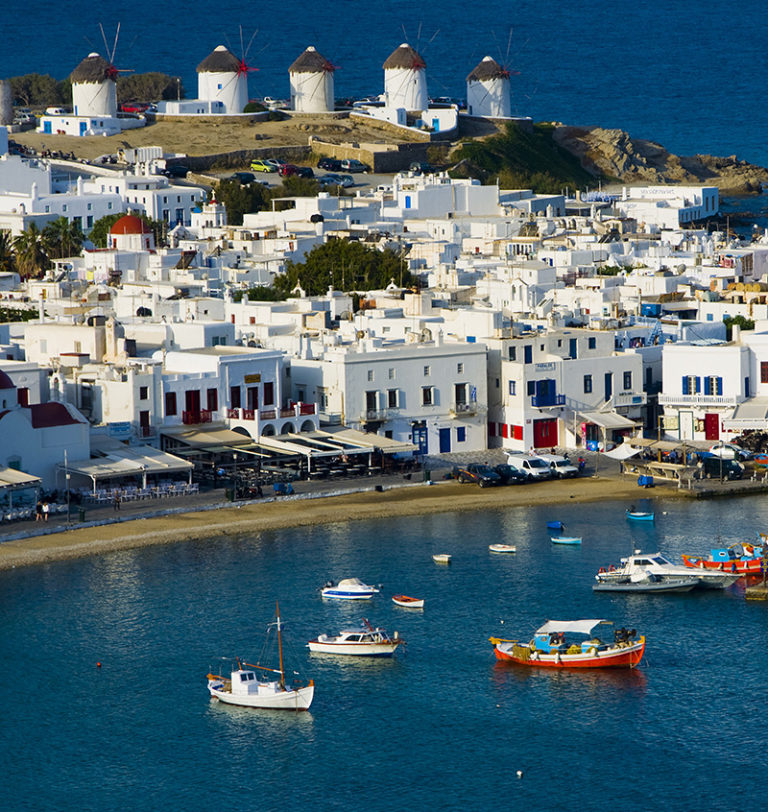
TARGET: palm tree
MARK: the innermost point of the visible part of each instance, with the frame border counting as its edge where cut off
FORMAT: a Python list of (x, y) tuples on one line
[(30, 252), (7, 255), (62, 238)]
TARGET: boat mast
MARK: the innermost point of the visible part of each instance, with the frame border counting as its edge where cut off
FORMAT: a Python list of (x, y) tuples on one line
[(280, 646)]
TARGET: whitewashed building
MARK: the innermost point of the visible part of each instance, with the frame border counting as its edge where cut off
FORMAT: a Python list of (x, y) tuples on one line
[(223, 78)]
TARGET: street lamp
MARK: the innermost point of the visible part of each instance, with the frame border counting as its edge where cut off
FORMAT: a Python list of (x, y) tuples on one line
[(234, 479)]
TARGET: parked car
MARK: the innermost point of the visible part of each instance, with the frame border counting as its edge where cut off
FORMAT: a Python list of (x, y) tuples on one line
[(260, 165), (421, 168), (510, 475), (354, 166), (719, 468), (345, 181), (175, 171), (278, 162), (286, 170), (484, 475), (533, 466), (729, 451), (329, 164), (242, 177), (560, 466)]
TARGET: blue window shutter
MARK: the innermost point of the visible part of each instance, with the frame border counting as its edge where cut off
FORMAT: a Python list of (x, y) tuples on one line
[(719, 386), (685, 385), (707, 386), (698, 386)]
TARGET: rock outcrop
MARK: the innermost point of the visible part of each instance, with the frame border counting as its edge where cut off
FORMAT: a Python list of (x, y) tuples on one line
[(614, 154)]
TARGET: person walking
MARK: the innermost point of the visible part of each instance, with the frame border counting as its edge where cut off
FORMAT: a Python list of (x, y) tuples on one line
[(39, 511), (116, 502), (46, 510)]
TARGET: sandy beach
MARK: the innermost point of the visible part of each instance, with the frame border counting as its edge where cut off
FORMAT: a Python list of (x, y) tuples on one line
[(412, 500)]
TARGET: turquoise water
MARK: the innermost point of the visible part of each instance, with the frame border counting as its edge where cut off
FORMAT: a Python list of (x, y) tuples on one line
[(440, 726), (687, 75)]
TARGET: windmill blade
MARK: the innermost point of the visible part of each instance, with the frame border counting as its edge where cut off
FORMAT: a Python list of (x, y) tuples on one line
[(104, 38), (114, 46), (250, 42)]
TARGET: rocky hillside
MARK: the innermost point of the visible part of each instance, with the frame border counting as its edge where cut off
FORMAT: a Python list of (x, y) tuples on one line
[(614, 154)]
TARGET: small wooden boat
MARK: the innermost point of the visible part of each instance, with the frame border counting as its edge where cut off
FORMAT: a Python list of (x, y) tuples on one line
[(555, 526), (502, 548), (408, 602), (639, 516), (741, 558), (566, 539), (441, 558), (548, 649)]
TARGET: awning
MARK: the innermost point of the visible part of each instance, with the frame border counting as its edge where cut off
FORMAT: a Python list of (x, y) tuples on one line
[(668, 445), (623, 451), (752, 409), (207, 438), (11, 478), (608, 420), (370, 441), (112, 459), (573, 626)]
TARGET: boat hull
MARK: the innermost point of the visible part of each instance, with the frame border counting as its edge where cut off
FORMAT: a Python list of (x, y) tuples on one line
[(354, 649), (625, 656), (342, 595), (748, 567), (441, 558), (650, 588), (565, 539), (502, 548), (640, 517), (298, 700)]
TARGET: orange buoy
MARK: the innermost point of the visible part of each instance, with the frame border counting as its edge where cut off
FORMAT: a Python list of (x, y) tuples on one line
[(98, 665)]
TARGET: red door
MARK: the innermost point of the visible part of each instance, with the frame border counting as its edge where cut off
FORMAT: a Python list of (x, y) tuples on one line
[(712, 426), (545, 433)]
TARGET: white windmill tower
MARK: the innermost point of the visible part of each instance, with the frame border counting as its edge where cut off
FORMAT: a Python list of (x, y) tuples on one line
[(94, 88), (488, 92), (311, 77), (222, 77), (405, 81)]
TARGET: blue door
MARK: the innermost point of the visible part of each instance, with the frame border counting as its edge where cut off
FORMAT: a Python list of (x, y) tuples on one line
[(445, 441), (572, 351), (608, 385), (47, 128), (419, 436), (436, 125), (83, 127), (546, 393)]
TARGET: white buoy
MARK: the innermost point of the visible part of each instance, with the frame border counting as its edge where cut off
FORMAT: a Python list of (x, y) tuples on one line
[(519, 773)]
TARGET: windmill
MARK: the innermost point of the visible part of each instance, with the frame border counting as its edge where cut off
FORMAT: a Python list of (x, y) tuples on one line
[(94, 91), (488, 87), (311, 77), (222, 77)]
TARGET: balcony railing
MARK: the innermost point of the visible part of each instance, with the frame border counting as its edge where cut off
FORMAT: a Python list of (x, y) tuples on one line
[(466, 409), (373, 415), (547, 401), (700, 400), (249, 414), (268, 414), (193, 418), (146, 431), (233, 414)]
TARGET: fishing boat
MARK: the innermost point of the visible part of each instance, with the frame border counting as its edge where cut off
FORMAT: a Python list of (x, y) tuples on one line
[(565, 539), (408, 602), (362, 642), (549, 648), (348, 589), (640, 566), (243, 687), (555, 526), (639, 516), (502, 548), (647, 585), (441, 558), (742, 559)]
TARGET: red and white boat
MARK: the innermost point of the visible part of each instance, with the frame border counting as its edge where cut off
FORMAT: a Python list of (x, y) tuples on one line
[(742, 559), (549, 648), (408, 602)]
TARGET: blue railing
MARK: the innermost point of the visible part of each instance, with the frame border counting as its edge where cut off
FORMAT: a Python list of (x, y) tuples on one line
[(542, 401)]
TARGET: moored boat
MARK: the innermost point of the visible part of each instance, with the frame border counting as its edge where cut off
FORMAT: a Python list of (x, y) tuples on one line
[(549, 648), (365, 641), (441, 558), (349, 589), (640, 566), (640, 516), (566, 539), (502, 548), (650, 585), (244, 688), (742, 559), (408, 602), (555, 526)]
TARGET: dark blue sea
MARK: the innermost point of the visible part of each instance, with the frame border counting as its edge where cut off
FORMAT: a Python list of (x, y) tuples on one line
[(689, 75), (441, 726)]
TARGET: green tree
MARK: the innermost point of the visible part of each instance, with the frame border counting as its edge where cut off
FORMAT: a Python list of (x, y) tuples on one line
[(741, 321), (148, 87), (347, 265), (62, 239), (260, 293), (31, 258), (7, 254), (16, 314), (40, 90), (239, 199)]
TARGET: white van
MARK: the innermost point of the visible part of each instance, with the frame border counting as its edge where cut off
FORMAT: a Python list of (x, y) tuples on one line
[(531, 464), (560, 466)]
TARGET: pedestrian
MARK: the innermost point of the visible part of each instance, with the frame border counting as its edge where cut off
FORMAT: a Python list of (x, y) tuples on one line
[(39, 511), (46, 509), (116, 502)]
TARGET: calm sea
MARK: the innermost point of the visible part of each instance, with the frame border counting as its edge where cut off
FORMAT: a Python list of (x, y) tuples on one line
[(687, 75), (441, 726)]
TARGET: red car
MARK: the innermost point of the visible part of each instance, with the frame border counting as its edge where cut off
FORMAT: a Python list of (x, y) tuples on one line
[(286, 170)]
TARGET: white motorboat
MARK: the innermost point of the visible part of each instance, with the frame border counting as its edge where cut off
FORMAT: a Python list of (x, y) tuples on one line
[(640, 568), (441, 558), (502, 548), (362, 642), (349, 589), (244, 688)]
